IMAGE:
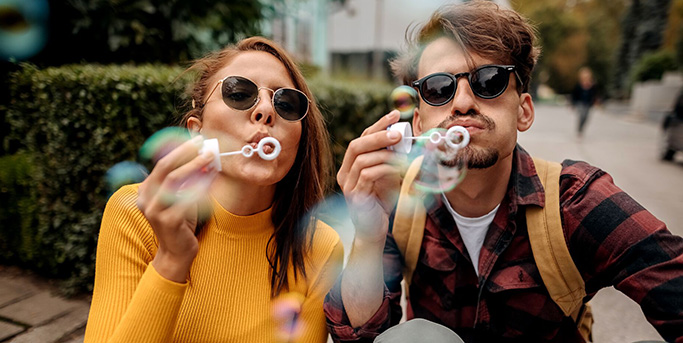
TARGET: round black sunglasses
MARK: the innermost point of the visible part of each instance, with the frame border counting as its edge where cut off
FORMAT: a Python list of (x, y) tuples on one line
[(242, 94), (486, 82)]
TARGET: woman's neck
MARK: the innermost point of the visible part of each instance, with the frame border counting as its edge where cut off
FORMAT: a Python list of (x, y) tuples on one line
[(240, 198)]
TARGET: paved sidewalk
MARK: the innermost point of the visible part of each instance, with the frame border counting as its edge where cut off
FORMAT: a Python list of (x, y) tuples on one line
[(30, 311)]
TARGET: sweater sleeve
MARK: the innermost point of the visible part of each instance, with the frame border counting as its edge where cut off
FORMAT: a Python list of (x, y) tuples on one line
[(131, 301), (329, 263)]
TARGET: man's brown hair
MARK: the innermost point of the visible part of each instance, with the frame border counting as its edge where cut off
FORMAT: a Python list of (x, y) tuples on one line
[(479, 27)]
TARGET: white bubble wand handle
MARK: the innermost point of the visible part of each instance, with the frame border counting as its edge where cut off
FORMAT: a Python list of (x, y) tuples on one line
[(246, 151), (456, 137)]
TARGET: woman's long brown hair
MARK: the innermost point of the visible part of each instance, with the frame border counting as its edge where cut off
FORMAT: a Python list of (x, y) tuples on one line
[(304, 186)]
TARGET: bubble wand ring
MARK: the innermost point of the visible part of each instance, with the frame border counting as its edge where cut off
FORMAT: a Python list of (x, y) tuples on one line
[(457, 137), (246, 151)]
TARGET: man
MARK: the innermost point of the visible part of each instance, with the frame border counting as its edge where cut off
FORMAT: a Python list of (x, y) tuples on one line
[(478, 278)]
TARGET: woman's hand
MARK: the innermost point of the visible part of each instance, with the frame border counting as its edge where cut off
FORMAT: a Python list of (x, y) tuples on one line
[(171, 209), (370, 177)]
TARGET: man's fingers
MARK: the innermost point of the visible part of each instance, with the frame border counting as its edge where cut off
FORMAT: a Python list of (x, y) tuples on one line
[(369, 160), (382, 124)]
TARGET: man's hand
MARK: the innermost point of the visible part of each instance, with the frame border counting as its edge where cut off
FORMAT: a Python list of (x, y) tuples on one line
[(370, 177)]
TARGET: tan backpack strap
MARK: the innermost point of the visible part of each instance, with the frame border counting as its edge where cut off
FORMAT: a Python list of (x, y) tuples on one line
[(558, 271), (409, 221)]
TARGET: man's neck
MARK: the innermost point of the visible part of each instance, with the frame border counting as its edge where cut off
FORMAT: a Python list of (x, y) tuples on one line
[(481, 190)]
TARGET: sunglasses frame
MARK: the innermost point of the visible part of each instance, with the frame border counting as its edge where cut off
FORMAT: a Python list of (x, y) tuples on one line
[(509, 68), (258, 97)]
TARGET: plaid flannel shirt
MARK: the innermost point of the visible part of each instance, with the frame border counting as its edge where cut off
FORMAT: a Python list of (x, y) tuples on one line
[(613, 241)]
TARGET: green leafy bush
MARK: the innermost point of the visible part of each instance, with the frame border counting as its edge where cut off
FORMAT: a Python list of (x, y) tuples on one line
[(653, 65), (17, 204), (75, 122)]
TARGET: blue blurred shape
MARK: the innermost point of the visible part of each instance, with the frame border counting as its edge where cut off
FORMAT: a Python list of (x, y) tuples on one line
[(124, 173), (23, 28)]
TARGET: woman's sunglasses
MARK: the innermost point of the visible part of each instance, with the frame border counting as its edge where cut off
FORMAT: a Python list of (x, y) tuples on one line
[(242, 94), (487, 82)]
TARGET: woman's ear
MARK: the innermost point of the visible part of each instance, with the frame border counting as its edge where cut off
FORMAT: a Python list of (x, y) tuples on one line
[(194, 125)]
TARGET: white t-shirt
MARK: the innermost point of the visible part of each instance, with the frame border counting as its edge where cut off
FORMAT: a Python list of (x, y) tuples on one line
[(472, 230)]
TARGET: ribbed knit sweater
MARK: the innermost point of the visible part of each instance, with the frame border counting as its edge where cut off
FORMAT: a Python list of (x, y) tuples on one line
[(227, 297)]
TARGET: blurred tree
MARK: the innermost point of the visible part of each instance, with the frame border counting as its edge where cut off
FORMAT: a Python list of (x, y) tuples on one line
[(643, 30), (167, 31), (574, 34)]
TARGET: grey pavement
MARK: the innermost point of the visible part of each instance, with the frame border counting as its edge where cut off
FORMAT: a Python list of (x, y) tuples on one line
[(30, 312), (626, 147)]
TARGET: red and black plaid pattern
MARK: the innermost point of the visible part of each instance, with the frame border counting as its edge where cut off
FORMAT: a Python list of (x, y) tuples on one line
[(613, 240)]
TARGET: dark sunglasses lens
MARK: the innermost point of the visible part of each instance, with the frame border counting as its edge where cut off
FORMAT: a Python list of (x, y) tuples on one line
[(438, 89), (490, 82), (239, 93), (290, 104)]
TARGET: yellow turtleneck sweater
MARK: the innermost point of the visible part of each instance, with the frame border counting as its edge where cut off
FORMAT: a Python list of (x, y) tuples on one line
[(227, 297)]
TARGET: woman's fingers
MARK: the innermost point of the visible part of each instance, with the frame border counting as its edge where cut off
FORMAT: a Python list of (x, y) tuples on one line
[(185, 183), (176, 158)]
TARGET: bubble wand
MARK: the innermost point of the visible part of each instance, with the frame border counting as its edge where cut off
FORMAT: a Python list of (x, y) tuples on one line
[(246, 151)]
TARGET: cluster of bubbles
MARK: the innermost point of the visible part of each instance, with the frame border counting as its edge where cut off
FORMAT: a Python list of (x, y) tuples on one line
[(442, 167), (23, 28)]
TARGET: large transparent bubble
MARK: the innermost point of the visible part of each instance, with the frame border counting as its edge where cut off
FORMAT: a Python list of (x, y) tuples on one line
[(443, 166)]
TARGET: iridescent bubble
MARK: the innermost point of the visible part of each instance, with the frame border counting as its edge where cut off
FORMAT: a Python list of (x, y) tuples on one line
[(23, 28), (163, 142), (404, 99), (286, 311), (124, 173), (442, 167)]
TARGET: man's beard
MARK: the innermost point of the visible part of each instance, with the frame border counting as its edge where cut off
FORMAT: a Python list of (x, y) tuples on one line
[(475, 158)]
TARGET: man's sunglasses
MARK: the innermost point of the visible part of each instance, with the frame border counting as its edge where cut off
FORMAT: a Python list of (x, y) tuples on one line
[(487, 82), (242, 94)]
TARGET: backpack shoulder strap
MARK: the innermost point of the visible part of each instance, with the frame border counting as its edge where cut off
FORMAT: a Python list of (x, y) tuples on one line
[(558, 271), (409, 221)]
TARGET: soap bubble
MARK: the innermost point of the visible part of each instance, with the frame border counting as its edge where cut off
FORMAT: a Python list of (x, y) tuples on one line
[(124, 173), (23, 28), (163, 142), (442, 167), (404, 99), (286, 311)]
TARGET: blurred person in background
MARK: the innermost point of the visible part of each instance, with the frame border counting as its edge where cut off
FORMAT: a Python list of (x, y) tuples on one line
[(584, 96), (172, 269), (475, 276)]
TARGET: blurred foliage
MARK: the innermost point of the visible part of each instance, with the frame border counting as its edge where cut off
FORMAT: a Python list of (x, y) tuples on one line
[(643, 28), (17, 209), (652, 66), (73, 123), (573, 34), (166, 31)]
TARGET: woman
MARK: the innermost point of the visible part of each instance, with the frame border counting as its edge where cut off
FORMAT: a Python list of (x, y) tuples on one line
[(163, 274)]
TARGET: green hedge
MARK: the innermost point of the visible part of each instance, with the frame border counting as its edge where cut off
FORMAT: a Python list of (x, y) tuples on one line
[(74, 122)]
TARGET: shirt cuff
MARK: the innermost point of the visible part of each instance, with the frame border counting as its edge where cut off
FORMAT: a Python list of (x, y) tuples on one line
[(338, 322)]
